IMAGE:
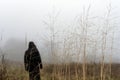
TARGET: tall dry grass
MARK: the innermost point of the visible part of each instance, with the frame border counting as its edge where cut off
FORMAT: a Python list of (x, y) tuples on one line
[(75, 57)]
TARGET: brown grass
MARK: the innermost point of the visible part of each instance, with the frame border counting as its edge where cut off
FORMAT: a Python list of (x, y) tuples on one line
[(62, 72)]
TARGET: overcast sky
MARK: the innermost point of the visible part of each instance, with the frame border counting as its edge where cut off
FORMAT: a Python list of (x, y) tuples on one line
[(20, 17)]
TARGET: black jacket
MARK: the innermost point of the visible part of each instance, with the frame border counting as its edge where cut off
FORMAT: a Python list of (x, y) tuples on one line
[(32, 59)]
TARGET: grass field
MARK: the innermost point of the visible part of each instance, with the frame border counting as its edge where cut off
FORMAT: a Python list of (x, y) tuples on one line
[(89, 40), (72, 71)]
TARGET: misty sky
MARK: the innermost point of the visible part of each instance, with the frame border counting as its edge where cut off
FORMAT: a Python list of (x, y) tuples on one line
[(19, 18)]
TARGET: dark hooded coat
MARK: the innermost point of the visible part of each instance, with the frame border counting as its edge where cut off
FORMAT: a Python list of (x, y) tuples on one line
[(32, 61)]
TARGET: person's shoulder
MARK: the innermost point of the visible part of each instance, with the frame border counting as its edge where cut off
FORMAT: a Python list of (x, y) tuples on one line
[(34, 49), (27, 51)]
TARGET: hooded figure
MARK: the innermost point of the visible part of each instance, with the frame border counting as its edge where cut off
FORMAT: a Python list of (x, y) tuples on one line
[(32, 61)]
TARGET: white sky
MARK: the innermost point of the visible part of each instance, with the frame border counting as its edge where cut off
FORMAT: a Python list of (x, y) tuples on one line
[(18, 17)]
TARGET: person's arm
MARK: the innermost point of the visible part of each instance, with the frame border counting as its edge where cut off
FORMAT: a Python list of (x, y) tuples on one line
[(26, 61), (41, 66), (40, 61)]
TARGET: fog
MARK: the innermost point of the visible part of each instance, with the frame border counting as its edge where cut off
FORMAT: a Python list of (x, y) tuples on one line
[(22, 21)]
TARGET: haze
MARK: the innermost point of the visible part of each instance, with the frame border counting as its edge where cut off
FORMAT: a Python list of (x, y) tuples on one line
[(26, 18)]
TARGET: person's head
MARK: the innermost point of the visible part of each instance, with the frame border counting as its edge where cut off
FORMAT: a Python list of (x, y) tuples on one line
[(31, 44)]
